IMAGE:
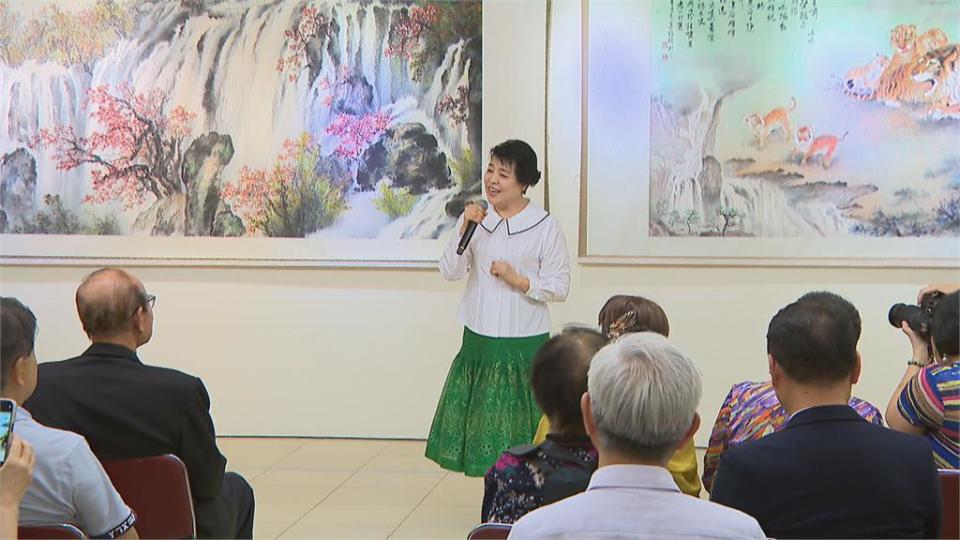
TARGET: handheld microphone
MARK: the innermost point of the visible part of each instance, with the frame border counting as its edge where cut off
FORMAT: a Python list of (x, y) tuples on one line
[(468, 234)]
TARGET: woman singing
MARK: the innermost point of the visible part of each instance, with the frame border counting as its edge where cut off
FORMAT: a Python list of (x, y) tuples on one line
[(516, 262)]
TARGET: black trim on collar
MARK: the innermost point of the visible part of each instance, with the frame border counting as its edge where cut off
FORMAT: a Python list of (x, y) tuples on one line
[(496, 227), (511, 233)]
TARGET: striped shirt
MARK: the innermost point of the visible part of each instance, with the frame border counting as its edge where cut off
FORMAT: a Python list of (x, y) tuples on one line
[(932, 400), (750, 411)]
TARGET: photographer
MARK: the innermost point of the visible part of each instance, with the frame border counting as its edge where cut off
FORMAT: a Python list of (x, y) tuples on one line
[(926, 401)]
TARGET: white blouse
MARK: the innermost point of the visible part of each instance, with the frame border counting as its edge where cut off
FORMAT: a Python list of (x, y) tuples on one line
[(533, 244)]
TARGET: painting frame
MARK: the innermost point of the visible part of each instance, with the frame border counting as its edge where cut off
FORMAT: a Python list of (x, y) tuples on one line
[(610, 244), (518, 118)]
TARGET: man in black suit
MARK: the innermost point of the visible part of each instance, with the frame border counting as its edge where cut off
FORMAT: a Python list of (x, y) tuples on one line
[(126, 409), (828, 473)]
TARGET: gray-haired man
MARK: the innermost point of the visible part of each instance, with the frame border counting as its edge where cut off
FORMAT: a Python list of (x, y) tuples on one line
[(640, 406)]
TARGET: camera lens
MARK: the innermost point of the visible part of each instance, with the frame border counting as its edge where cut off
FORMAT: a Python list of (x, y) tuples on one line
[(917, 318), (904, 312)]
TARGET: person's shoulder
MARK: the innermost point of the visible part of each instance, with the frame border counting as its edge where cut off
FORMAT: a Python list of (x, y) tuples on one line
[(756, 458), (754, 451), (750, 391), (721, 516), (862, 406), (173, 383), (511, 460), (45, 438), (58, 366), (902, 455), (535, 215), (536, 522), (749, 387), (943, 373), (171, 376), (548, 218), (895, 441), (187, 386)]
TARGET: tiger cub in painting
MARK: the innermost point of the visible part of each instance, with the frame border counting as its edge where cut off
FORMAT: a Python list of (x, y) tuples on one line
[(895, 84), (825, 146), (938, 72), (903, 38), (933, 38), (777, 119), (861, 81)]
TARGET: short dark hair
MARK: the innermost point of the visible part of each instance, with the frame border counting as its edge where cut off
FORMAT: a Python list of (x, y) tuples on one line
[(109, 314), (945, 325), (815, 338), (521, 156), (558, 376), (848, 312), (649, 316), (18, 333)]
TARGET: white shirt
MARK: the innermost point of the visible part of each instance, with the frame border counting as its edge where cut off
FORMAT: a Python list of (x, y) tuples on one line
[(533, 244), (635, 501), (69, 484)]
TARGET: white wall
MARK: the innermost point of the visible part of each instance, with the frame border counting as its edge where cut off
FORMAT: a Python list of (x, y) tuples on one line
[(363, 353)]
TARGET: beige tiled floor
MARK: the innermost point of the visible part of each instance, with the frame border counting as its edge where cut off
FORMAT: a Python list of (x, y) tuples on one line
[(331, 488), (335, 488)]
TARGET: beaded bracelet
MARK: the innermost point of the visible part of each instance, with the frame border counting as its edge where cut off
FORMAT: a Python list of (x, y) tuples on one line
[(915, 363)]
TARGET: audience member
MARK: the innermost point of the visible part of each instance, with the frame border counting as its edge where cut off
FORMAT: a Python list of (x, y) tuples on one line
[(751, 410), (927, 400), (640, 407), (15, 477), (69, 484), (828, 473), (127, 409), (527, 477), (625, 314), (942, 288)]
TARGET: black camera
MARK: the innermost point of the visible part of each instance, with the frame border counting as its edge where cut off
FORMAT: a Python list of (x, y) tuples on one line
[(917, 317)]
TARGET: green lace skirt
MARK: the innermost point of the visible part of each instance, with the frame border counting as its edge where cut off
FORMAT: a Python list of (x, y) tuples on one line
[(487, 405)]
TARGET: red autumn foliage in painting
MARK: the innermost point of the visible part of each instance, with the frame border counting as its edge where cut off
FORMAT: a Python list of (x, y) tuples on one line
[(357, 132), (312, 25), (456, 107), (294, 198), (407, 34), (136, 150), (71, 37)]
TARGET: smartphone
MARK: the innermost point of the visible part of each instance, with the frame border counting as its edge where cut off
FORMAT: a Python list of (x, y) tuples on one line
[(8, 410)]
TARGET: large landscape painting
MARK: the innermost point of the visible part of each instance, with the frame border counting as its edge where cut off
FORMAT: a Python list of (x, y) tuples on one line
[(329, 119)]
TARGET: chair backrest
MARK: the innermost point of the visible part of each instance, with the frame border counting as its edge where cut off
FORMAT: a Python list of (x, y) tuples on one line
[(489, 531), (158, 490), (950, 489), (60, 530)]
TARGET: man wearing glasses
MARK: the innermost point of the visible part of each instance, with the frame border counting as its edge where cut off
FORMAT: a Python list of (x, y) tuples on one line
[(127, 409)]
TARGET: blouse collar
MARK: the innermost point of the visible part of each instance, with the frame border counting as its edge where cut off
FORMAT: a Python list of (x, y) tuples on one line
[(526, 219)]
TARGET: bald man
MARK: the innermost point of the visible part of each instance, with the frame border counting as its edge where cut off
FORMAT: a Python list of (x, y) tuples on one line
[(127, 409)]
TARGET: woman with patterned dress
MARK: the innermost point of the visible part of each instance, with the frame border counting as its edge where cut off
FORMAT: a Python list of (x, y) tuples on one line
[(927, 400), (516, 262), (527, 477)]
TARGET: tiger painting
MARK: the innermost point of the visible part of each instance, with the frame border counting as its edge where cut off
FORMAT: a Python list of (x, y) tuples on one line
[(937, 71)]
